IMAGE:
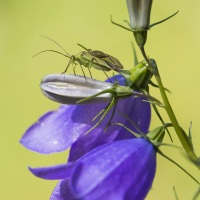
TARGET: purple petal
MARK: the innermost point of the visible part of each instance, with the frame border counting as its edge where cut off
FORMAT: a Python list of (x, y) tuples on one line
[(53, 172), (138, 111), (119, 78), (62, 191), (119, 170), (51, 132)]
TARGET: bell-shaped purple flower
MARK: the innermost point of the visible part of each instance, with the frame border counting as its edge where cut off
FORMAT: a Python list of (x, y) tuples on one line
[(110, 165), (58, 130), (120, 170)]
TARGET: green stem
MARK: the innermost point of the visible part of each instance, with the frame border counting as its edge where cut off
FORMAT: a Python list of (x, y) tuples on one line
[(182, 137), (180, 133)]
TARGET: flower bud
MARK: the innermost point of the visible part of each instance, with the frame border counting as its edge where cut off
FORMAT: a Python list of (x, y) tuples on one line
[(68, 89), (139, 13), (137, 77)]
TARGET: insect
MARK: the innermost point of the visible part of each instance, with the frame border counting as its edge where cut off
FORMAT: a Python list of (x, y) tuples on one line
[(71, 89), (137, 78), (89, 59), (111, 61)]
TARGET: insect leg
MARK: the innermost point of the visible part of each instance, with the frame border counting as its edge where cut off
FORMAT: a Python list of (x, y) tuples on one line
[(83, 71), (112, 103), (98, 65), (74, 69), (107, 76), (112, 115), (72, 60), (103, 110), (90, 72)]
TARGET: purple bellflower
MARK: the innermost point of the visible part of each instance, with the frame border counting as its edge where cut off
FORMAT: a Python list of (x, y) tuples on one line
[(120, 170), (58, 130), (110, 164)]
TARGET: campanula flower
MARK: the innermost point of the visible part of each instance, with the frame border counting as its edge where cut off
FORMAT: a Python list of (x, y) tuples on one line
[(70, 89), (119, 170), (58, 130), (103, 164)]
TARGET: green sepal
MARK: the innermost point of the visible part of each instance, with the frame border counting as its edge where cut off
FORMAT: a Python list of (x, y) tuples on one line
[(157, 134), (140, 37), (138, 77), (159, 22), (140, 34), (134, 55)]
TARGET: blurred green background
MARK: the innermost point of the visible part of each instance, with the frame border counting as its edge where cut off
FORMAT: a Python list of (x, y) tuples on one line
[(175, 45)]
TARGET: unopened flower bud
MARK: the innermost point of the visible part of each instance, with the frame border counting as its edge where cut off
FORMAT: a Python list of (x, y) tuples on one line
[(69, 89), (139, 13)]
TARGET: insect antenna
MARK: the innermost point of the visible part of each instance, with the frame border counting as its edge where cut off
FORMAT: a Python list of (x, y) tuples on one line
[(51, 51), (66, 54), (83, 47), (57, 53), (56, 44)]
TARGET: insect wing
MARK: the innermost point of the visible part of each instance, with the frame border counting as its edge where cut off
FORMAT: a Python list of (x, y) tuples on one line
[(113, 62), (95, 62), (98, 54)]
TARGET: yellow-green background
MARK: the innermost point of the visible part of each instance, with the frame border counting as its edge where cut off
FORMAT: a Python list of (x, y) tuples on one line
[(175, 45)]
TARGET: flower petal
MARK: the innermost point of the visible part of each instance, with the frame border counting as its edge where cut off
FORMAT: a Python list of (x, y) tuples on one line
[(62, 191), (119, 170), (139, 112), (51, 132), (53, 172)]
